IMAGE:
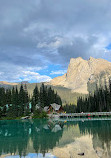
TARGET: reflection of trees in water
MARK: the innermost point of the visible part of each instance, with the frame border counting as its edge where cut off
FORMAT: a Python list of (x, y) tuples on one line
[(100, 130), (14, 136), (45, 139)]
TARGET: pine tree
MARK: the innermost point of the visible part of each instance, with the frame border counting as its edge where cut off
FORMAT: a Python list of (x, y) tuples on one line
[(35, 98), (8, 96), (16, 96), (50, 98), (43, 96), (13, 96), (4, 110), (26, 97), (109, 95), (26, 100), (21, 101), (2, 97), (0, 113)]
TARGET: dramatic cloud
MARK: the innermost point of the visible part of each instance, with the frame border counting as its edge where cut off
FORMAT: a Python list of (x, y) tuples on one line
[(37, 33)]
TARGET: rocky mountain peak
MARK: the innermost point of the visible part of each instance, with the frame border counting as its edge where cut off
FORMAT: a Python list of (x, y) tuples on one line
[(82, 72), (91, 59), (76, 60)]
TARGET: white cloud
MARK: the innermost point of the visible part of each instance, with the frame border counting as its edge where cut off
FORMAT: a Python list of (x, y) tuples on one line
[(36, 68), (34, 76), (18, 74), (59, 72)]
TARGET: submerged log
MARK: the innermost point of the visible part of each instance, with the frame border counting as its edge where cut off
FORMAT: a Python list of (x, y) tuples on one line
[(81, 154)]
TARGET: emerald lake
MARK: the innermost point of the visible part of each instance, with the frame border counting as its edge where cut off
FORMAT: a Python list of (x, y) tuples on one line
[(55, 139)]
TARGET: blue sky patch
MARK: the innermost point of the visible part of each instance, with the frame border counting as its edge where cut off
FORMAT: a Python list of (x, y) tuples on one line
[(109, 47)]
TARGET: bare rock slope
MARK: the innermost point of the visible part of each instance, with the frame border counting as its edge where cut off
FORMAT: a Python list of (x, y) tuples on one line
[(82, 73)]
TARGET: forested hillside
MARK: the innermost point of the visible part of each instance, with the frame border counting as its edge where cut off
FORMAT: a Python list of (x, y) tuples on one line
[(98, 101), (17, 102), (66, 94)]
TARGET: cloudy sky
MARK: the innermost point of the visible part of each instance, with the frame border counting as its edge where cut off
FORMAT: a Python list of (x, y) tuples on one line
[(38, 37)]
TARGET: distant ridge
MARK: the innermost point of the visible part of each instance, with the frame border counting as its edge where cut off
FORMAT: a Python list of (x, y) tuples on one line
[(8, 83), (13, 83), (82, 75)]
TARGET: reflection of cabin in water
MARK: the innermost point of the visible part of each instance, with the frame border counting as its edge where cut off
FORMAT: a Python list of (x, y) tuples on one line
[(53, 108)]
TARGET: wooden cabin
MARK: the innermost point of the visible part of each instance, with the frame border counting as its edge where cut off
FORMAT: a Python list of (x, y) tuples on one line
[(53, 108)]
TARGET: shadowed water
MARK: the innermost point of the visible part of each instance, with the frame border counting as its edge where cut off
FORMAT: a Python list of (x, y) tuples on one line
[(39, 138)]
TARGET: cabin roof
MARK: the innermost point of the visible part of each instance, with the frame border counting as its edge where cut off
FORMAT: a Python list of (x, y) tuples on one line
[(56, 128), (55, 106)]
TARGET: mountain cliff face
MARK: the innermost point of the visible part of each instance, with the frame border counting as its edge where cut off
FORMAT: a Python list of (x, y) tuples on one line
[(82, 75)]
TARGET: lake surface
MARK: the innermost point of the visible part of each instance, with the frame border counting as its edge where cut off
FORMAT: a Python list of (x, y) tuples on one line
[(55, 139)]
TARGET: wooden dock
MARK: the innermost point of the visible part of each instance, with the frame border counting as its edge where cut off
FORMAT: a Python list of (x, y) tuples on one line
[(80, 115), (83, 119)]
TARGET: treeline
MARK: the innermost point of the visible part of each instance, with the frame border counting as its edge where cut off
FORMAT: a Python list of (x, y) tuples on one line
[(99, 101), (16, 103), (70, 108)]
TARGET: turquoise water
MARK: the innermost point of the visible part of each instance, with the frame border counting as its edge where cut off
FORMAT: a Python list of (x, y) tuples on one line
[(39, 138)]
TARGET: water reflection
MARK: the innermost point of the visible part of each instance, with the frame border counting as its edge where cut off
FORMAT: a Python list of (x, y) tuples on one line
[(40, 136), (31, 155), (16, 135), (101, 132)]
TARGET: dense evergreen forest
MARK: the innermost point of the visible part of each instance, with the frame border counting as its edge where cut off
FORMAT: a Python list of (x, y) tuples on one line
[(99, 101), (17, 103)]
